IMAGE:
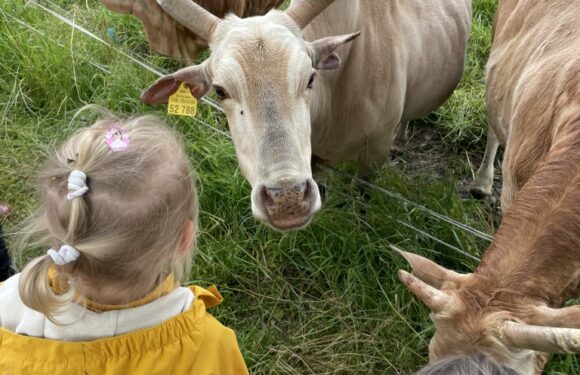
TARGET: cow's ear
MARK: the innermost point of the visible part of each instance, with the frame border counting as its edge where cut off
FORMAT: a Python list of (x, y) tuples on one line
[(322, 50), (196, 77)]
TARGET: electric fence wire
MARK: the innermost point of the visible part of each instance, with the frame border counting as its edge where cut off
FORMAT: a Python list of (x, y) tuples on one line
[(417, 230), (400, 198), (159, 72), (131, 56)]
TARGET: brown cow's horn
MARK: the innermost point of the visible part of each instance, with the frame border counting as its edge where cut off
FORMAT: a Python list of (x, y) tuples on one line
[(429, 271), (192, 16), (304, 11), (542, 339), (435, 299)]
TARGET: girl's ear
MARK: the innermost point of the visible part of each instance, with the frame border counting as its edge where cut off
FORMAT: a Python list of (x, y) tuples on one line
[(187, 238)]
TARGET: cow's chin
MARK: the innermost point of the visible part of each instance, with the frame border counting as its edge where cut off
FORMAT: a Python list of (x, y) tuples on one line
[(290, 223), (287, 222)]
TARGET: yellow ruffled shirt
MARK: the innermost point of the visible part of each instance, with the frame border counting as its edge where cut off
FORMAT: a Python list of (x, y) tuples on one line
[(192, 342)]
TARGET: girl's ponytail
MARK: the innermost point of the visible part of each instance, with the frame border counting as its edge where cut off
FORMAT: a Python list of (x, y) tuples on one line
[(38, 293), (36, 288)]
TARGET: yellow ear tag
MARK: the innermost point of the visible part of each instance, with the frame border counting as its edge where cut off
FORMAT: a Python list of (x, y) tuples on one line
[(182, 103)]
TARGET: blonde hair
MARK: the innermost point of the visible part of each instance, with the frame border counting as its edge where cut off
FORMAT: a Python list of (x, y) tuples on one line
[(128, 227)]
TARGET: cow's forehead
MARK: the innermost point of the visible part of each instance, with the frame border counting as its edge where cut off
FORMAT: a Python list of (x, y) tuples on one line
[(257, 38), (254, 52)]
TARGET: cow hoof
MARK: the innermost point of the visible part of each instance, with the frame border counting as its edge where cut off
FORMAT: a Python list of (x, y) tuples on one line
[(397, 151), (478, 192)]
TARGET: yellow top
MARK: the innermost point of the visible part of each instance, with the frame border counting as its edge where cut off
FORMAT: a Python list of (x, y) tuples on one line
[(193, 342)]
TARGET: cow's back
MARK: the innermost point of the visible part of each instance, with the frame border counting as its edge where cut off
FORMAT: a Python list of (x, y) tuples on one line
[(534, 62)]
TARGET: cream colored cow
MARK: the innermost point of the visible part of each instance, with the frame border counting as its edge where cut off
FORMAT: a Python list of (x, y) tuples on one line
[(294, 89)]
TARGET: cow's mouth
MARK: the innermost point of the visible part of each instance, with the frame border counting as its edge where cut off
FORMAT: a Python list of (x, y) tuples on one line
[(290, 222)]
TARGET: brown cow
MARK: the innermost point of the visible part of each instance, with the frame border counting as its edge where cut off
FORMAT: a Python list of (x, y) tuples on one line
[(168, 37), (510, 307)]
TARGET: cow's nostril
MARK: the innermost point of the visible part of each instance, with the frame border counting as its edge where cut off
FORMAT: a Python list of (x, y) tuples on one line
[(274, 193), (265, 196), (300, 188), (308, 192)]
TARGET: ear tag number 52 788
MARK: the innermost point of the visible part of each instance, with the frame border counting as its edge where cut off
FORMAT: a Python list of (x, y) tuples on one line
[(182, 103)]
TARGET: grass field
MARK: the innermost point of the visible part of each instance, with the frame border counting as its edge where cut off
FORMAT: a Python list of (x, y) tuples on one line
[(325, 300)]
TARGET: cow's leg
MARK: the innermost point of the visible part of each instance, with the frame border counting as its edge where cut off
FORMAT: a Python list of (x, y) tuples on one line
[(376, 153), (483, 182), (400, 140)]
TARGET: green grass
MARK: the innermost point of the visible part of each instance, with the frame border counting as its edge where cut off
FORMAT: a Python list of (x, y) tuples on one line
[(324, 300)]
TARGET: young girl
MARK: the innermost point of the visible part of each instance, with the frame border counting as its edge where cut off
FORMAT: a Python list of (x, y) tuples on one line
[(118, 214)]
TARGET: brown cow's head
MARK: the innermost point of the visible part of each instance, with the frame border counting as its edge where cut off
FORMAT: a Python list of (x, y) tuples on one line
[(168, 37), (472, 318), (264, 73)]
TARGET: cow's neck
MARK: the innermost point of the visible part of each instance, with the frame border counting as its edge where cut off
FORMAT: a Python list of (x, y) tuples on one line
[(341, 17), (536, 251)]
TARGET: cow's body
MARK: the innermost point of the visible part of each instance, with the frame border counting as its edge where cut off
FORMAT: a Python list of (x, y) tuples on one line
[(533, 265), (399, 69), (407, 60)]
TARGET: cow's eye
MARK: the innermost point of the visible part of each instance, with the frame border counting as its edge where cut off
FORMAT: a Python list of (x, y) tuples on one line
[(311, 80), (220, 92)]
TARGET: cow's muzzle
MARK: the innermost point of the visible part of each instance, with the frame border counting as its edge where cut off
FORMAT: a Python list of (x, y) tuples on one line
[(289, 204)]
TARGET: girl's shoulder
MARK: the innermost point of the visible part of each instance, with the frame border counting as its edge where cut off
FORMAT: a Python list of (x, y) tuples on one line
[(190, 342), (80, 324), (12, 309)]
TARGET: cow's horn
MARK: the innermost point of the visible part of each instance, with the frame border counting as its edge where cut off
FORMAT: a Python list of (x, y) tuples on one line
[(192, 16), (540, 338), (435, 299), (304, 11)]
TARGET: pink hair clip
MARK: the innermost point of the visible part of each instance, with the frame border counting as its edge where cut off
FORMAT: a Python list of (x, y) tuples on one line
[(116, 138)]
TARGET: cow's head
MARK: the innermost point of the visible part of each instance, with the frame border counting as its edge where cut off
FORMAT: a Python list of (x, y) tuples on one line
[(264, 74), (168, 37), (470, 319)]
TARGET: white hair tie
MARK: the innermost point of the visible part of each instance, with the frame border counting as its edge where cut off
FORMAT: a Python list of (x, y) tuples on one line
[(77, 184), (66, 254)]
